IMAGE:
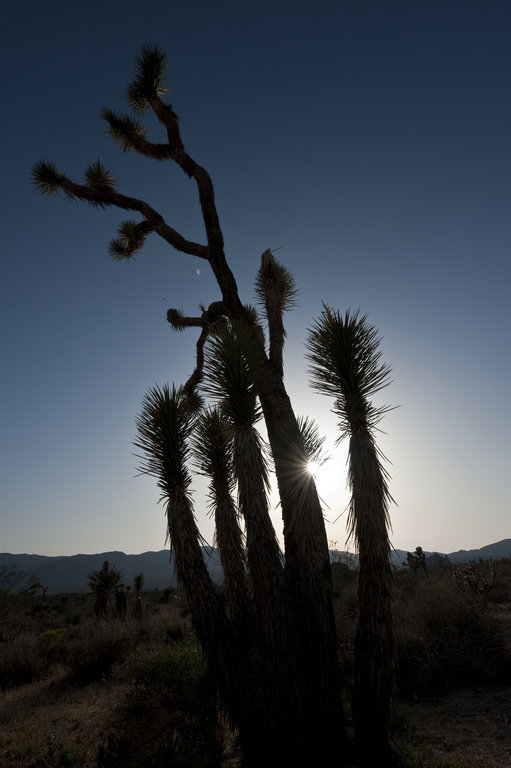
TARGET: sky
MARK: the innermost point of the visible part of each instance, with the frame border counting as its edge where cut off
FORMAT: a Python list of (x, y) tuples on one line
[(368, 140)]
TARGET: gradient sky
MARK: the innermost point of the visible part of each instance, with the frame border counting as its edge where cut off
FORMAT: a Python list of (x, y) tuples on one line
[(370, 139)]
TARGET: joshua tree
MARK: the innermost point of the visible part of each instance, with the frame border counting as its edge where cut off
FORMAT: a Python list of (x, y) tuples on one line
[(346, 365), (228, 380), (314, 727), (164, 426), (212, 445), (105, 583), (416, 560)]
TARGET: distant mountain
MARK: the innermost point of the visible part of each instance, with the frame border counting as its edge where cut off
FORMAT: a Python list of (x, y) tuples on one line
[(497, 551), (491, 552), (69, 573)]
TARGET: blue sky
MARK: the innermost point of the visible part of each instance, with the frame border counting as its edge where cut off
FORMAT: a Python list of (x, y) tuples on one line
[(369, 139)]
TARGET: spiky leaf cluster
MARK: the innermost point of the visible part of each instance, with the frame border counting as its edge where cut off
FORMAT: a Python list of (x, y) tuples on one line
[(108, 579), (228, 379), (151, 66), (131, 237), (177, 319), (99, 178), (346, 364), (47, 178), (164, 426), (313, 442), (213, 452), (123, 129), (275, 283)]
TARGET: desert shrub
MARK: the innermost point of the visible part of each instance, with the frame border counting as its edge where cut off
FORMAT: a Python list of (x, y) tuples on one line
[(475, 579), (445, 638), (160, 624), (171, 713), (96, 647), (52, 643), (22, 660), (170, 667)]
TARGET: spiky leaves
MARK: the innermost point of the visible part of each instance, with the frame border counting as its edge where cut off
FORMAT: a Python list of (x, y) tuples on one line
[(47, 178), (306, 543), (99, 183), (346, 365), (149, 82), (104, 584), (164, 426), (313, 441), (98, 178), (123, 129), (131, 238), (273, 277), (212, 446), (276, 292), (228, 379), (374, 640), (213, 452)]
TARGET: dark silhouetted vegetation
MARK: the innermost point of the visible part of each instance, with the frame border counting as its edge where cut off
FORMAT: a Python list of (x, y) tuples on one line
[(146, 694), (277, 647)]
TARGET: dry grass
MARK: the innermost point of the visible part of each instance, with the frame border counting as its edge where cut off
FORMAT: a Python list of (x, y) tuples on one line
[(85, 694), (107, 693), (56, 724)]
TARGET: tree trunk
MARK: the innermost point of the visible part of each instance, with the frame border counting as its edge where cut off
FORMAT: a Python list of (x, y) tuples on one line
[(374, 642)]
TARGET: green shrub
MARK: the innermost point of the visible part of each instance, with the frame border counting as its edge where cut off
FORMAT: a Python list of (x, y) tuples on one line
[(170, 717), (171, 667)]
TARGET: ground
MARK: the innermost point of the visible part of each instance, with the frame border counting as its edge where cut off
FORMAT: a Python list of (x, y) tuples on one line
[(468, 729), (472, 726)]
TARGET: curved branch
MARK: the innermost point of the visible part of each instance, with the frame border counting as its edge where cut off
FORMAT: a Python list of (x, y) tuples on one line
[(168, 118), (130, 134), (207, 322), (108, 196), (190, 386)]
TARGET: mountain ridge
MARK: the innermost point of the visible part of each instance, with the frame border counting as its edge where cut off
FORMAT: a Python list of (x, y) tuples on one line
[(68, 573)]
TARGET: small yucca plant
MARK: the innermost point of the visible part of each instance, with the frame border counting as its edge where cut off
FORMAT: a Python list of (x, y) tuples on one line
[(104, 583)]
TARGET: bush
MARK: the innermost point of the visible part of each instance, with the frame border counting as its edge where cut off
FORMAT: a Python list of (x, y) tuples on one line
[(22, 660), (170, 717), (444, 638), (96, 647), (172, 668), (53, 644)]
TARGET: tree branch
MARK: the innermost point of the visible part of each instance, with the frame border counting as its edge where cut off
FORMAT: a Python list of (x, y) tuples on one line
[(130, 134), (207, 322), (49, 181), (169, 119)]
